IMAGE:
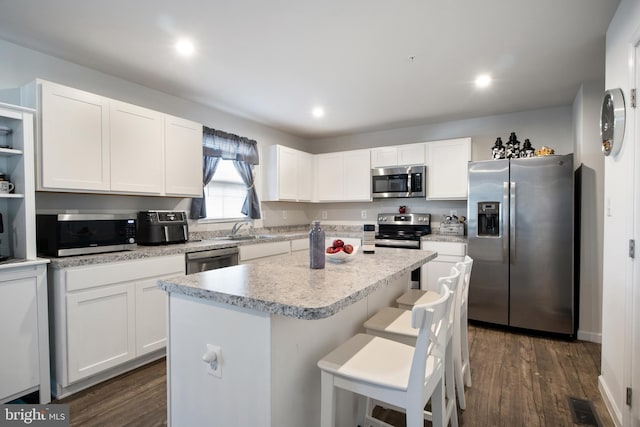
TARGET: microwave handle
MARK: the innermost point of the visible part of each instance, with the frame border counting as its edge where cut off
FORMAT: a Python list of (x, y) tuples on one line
[(409, 183)]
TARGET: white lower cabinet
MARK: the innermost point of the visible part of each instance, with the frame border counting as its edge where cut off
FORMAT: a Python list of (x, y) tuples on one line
[(101, 329), (449, 253), (263, 250), (108, 318), (24, 333)]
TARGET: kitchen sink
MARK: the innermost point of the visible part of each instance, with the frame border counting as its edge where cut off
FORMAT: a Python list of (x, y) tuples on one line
[(248, 237)]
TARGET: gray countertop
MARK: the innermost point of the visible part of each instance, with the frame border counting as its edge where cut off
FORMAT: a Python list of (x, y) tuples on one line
[(206, 244), (292, 289)]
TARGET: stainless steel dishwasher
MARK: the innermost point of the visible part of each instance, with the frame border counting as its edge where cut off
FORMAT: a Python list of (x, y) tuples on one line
[(211, 259)]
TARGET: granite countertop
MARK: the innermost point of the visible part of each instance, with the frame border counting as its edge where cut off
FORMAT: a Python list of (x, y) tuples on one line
[(292, 289), (141, 252)]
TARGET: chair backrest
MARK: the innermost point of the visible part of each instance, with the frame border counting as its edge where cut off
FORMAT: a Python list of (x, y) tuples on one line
[(432, 320), (465, 268)]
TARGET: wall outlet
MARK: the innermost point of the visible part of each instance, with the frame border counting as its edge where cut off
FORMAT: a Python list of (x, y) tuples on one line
[(324, 214), (363, 214), (284, 214), (213, 359)]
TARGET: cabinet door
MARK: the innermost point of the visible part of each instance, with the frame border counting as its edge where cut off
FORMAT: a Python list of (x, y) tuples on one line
[(329, 179), (384, 156), (19, 370), (137, 155), (305, 174), (101, 329), (411, 154), (263, 250), (287, 170), (151, 316), (73, 151), (357, 175), (447, 168), (183, 157)]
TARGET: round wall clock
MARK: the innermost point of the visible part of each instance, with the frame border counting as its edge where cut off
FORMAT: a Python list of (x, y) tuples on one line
[(612, 116)]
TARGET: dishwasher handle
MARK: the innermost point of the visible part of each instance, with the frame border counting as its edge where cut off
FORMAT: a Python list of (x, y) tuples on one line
[(212, 253)]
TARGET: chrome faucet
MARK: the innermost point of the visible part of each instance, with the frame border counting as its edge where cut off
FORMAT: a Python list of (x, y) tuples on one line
[(238, 225)]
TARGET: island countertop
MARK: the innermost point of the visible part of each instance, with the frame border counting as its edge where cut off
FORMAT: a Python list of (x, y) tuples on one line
[(286, 286)]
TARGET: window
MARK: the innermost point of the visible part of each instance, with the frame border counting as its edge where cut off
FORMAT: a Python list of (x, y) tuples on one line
[(226, 192)]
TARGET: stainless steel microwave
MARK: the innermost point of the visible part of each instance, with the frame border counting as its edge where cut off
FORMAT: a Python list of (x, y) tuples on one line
[(81, 234), (401, 181)]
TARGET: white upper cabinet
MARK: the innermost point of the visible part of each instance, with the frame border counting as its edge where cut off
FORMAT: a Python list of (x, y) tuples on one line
[(183, 157), (73, 144), (344, 176), (137, 149), (288, 174), (90, 143), (357, 175), (447, 163), (397, 155)]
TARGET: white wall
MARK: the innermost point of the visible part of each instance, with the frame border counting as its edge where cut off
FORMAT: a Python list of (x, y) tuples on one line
[(548, 126), (619, 195), (586, 115), (20, 65)]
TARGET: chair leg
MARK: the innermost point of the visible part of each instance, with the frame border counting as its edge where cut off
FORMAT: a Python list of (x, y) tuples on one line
[(464, 341), (459, 382), (438, 409), (328, 401), (450, 387)]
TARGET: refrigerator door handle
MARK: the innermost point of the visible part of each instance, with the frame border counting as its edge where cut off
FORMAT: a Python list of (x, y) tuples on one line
[(512, 222), (503, 215)]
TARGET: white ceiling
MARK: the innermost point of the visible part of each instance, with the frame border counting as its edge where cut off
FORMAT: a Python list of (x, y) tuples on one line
[(273, 61)]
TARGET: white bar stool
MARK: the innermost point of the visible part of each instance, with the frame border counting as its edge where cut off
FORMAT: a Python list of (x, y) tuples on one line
[(417, 296), (388, 371)]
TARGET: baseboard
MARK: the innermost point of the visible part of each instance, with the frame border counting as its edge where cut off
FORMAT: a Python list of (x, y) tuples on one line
[(590, 336), (616, 415)]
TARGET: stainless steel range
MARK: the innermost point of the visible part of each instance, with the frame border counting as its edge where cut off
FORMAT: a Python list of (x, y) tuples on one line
[(402, 230)]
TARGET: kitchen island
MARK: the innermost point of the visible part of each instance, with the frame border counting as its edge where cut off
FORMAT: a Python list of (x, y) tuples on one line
[(271, 321)]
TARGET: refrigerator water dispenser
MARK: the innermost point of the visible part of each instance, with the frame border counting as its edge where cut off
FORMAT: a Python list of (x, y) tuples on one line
[(488, 219)]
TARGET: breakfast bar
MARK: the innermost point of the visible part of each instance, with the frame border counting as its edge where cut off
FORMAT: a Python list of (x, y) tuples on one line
[(263, 326)]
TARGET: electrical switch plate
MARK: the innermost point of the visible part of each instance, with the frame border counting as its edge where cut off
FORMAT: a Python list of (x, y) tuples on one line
[(324, 214), (213, 359), (363, 214), (284, 214)]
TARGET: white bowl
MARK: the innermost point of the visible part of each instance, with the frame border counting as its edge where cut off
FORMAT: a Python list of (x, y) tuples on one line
[(342, 256)]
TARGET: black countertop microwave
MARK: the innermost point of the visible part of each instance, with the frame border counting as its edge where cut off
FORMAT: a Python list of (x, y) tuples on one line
[(401, 181), (81, 234)]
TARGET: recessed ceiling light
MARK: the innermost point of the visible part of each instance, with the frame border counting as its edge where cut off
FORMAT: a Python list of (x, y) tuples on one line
[(483, 80), (185, 47), (318, 112)]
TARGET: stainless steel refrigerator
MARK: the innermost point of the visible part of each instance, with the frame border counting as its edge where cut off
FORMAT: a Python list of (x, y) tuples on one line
[(520, 229)]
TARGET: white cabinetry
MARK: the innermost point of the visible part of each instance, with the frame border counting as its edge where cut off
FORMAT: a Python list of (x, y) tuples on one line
[(137, 156), (24, 332), (447, 163), (343, 176), (397, 155), (182, 157), (73, 142), (262, 250), (108, 318), (90, 143), (288, 174), (449, 253)]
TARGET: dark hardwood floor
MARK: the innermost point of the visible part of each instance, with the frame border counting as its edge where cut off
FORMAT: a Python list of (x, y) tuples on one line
[(518, 381)]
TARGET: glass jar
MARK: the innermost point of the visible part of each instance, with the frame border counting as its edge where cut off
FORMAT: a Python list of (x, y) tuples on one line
[(316, 246)]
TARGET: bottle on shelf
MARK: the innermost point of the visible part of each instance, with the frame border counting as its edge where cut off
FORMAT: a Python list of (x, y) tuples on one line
[(316, 246)]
